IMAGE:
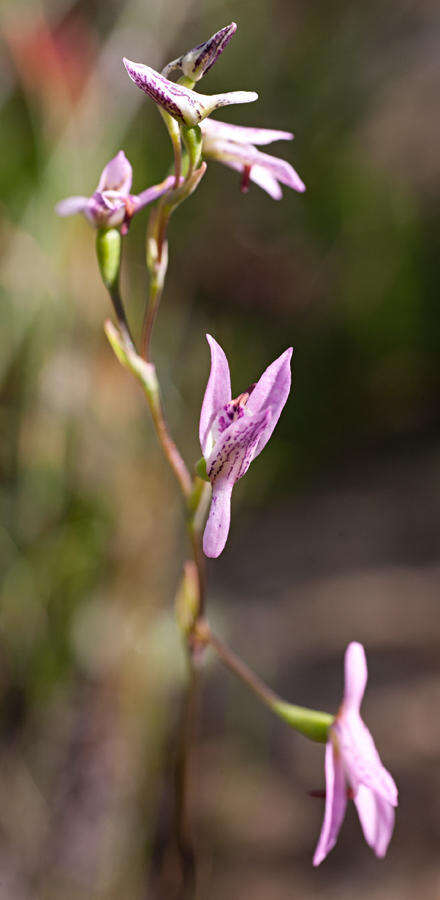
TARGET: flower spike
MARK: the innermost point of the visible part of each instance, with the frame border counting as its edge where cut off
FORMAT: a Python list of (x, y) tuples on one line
[(233, 432), (233, 145), (183, 104), (112, 205), (353, 768), (198, 61)]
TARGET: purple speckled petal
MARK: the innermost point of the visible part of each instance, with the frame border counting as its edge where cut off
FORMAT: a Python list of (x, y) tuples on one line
[(377, 819), (229, 461), (217, 527), (116, 175), (356, 675), (335, 804), (212, 128), (217, 394), (71, 205), (271, 392), (184, 104), (235, 447)]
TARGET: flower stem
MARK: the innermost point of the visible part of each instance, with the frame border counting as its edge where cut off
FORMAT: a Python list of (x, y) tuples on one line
[(118, 307), (182, 830), (169, 448), (155, 294), (174, 133), (309, 722), (197, 506)]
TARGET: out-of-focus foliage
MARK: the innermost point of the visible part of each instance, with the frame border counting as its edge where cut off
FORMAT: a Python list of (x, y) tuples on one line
[(90, 527)]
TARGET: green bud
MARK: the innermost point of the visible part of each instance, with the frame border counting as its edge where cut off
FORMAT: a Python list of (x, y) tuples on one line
[(108, 251), (310, 722)]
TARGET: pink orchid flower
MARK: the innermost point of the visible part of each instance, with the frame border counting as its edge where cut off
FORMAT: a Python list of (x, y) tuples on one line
[(353, 768), (112, 205), (233, 432), (233, 145), (187, 106)]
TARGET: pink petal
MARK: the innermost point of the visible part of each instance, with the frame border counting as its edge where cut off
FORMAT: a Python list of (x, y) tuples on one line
[(71, 205), (335, 804), (152, 193), (271, 392), (377, 819), (242, 134), (179, 101), (227, 151), (230, 459), (217, 394), (266, 181), (361, 760), (235, 448), (281, 170), (217, 526), (259, 176), (356, 675), (116, 175)]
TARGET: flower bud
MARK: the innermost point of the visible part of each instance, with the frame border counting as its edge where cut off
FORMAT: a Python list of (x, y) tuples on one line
[(196, 62), (108, 251)]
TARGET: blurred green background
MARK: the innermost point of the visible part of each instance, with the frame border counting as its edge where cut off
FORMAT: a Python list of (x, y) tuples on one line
[(335, 529)]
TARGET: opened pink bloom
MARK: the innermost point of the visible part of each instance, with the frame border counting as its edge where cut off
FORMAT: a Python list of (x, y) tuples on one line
[(187, 106), (234, 431), (353, 768), (112, 205), (233, 145)]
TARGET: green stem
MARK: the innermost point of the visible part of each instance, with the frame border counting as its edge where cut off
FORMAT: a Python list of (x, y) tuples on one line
[(118, 307), (309, 722), (154, 296), (174, 133), (169, 448), (197, 506)]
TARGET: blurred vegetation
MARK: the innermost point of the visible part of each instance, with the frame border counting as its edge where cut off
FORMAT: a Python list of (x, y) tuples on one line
[(348, 273)]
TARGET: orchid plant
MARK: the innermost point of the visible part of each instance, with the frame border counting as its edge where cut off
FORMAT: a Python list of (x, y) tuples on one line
[(232, 431)]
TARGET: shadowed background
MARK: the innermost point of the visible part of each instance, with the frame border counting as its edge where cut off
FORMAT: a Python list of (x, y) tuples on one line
[(335, 528)]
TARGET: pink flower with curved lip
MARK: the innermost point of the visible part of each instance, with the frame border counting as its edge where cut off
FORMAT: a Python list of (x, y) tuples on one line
[(233, 432), (233, 145), (187, 106), (353, 768), (112, 205)]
